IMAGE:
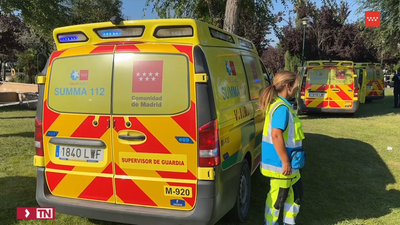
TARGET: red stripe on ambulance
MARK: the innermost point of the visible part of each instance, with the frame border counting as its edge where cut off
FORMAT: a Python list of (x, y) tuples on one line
[(188, 121), (129, 192), (49, 117), (127, 48), (103, 49), (188, 50), (108, 169), (51, 165), (53, 179), (177, 175), (343, 95), (101, 188), (55, 55), (152, 144), (88, 130)]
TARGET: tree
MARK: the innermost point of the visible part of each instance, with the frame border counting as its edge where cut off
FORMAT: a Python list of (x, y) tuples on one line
[(389, 29), (43, 16), (328, 36), (255, 18), (273, 58), (11, 28), (27, 62), (232, 16)]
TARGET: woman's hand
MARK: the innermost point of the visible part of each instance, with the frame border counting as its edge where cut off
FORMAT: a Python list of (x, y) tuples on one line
[(286, 169), (279, 143)]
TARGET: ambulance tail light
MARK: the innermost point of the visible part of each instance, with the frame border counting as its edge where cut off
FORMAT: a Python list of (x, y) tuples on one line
[(38, 138), (356, 92), (209, 152), (303, 88)]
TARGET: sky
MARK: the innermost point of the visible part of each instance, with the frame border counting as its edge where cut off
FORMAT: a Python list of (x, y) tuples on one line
[(133, 9)]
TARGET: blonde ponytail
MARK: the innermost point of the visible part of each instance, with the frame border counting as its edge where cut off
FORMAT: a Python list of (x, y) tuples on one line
[(267, 96), (282, 78)]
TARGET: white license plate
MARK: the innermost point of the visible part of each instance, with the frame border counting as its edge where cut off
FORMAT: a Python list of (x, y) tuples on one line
[(369, 86), (318, 95), (79, 153)]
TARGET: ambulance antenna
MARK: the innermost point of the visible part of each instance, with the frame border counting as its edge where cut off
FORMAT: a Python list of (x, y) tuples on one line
[(116, 20)]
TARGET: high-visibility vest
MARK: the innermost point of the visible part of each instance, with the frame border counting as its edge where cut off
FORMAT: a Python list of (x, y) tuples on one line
[(271, 164)]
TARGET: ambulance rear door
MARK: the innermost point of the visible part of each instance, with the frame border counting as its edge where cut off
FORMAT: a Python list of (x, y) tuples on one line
[(371, 86), (76, 124), (341, 88), (379, 82), (154, 126), (317, 87)]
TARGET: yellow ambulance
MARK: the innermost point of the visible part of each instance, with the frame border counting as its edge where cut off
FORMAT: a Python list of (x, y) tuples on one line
[(149, 122), (374, 80), (328, 86)]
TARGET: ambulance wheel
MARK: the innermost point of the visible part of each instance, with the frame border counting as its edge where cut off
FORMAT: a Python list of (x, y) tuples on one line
[(240, 211)]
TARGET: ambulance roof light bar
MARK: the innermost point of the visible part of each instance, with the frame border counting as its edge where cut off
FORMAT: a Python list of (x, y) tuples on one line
[(120, 32)]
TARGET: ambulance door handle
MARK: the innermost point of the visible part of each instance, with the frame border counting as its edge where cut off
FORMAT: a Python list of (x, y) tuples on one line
[(108, 124), (114, 121), (132, 138)]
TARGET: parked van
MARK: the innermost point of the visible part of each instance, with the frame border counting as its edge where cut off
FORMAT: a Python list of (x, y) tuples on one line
[(328, 86), (149, 122), (376, 85), (374, 81)]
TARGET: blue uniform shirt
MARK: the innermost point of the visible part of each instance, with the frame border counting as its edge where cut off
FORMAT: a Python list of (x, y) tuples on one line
[(280, 118)]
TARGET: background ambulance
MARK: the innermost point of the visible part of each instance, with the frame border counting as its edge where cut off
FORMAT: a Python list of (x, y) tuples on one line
[(374, 80), (328, 87), (149, 122)]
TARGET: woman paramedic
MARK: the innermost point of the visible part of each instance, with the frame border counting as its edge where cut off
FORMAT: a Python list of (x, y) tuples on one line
[(282, 154)]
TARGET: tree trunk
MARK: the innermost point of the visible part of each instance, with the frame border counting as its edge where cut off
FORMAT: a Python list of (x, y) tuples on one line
[(231, 16), (1, 67)]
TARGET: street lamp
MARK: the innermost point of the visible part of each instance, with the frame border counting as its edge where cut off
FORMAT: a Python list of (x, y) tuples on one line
[(304, 21)]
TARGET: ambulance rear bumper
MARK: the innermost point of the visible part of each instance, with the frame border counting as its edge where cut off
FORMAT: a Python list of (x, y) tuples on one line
[(305, 109), (202, 213)]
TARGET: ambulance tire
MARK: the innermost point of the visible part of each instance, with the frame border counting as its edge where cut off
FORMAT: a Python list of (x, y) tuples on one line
[(240, 211)]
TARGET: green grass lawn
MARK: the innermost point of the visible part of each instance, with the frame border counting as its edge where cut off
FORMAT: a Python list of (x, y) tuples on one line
[(349, 178)]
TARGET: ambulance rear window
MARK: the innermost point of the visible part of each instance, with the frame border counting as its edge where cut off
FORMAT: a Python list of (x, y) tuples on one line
[(150, 84), (341, 76), (378, 74), (81, 84), (371, 74), (318, 76)]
